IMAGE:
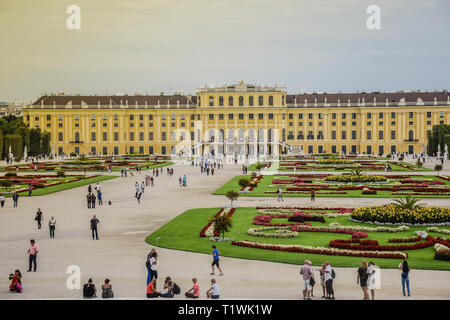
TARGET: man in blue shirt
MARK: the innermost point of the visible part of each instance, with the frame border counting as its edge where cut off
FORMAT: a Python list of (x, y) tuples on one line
[(215, 262)]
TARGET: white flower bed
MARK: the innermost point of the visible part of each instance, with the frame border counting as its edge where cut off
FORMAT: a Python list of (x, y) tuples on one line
[(219, 239), (367, 229), (438, 247), (437, 230), (421, 234), (278, 212), (280, 232)]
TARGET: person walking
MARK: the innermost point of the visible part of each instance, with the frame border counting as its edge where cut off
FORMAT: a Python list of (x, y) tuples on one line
[(93, 198), (322, 280), (138, 197), (2, 200), (362, 278), (193, 292), (107, 290), (184, 181), (214, 291), (306, 272), (33, 250), (371, 280), (89, 188), (329, 276), (180, 181), (15, 199), (94, 226), (404, 268), (39, 217), (52, 226), (280, 195), (215, 262), (88, 199), (100, 198)]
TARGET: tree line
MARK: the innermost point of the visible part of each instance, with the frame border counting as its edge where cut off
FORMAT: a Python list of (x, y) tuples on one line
[(15, 133), (439, 136)]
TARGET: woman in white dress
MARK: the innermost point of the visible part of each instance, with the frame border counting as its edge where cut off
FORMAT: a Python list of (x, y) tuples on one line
[(371, 279)]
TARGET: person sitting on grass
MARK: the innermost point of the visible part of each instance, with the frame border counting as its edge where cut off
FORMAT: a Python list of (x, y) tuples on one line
[(151, 289), (214, 291), (195, 290)]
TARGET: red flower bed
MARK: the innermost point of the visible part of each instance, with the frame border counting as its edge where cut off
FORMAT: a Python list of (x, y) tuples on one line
[(318, 251), (202, 232)]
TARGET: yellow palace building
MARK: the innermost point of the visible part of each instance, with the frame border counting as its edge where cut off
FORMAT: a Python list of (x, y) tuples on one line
[(242, 119)]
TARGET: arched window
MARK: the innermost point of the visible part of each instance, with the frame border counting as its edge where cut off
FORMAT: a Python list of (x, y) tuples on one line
[(260, 100), (261, 135), (411, 135), (230, 135), (221, 101), (251, 134), (211, 135), (77, 136), (270, 100), (221, 134), (230, 101), (241, 135), (241, 101), (211, 101), (250, 101)]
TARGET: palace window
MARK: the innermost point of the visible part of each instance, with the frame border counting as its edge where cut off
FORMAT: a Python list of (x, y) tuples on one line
[(230, 101), (270, 100), (333, 115), (250, 116), (260, 100), (260, 116), (250, 101), (369, 135), (211, 101), (211, 116), (221, 101), (380, 135), (116, 117), (343, 135), (230, 116), (353, 134), (93, 136), (392, 134), (333, 134), (150, 135), (411, 115), (116, 136), (241, 101), (131, 117), (270, 116), (241, 116), (131, 136), (393, 115), (105, 136), (220, 116)]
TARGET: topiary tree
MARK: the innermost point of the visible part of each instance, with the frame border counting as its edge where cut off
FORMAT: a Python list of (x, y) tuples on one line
[(222, 224), (244, 182), (438, 168), (6, 183), (419, 163), (61, 174), (232, 195)]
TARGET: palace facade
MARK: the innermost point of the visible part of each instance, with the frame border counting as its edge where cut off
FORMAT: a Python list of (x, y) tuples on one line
[(243, 119)]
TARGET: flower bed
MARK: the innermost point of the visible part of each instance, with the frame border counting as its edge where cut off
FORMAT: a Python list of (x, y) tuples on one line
[(441, 252), (394, 214), (351, 178), (208, 230), (372, 246), (321, 250)]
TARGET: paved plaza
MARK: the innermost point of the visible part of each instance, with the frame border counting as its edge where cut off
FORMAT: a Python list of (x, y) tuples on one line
[(121, 252)]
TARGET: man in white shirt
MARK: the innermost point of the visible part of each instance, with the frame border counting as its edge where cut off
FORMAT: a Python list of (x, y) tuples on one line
[(214, 291)]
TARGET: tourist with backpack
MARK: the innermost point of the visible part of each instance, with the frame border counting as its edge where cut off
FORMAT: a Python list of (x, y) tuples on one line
[(329, 277), (151, 264), (172, 288), (362, 278), (89, 290)]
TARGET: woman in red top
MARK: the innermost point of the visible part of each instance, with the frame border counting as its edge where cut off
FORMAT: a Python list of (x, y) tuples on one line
[(195, 290), (151, 289), (16, 282)]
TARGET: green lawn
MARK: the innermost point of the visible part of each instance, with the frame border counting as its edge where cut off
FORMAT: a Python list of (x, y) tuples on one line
[(182, 233), (64, 186), (266, 181)]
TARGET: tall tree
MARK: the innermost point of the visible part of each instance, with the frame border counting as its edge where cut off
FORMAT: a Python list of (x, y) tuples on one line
[(45, 143), (437, 138), (35, 141), (16, 143)]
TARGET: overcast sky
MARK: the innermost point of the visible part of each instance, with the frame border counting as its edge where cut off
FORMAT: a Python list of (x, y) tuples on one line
[(153, 46)]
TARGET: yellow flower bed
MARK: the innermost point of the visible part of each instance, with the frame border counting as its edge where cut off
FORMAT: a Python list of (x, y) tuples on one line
[(394, 214)]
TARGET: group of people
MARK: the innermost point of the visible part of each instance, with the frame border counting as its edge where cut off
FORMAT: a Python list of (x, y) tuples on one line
[(91, 198), (171, 287), (39, 217), (90, 291)]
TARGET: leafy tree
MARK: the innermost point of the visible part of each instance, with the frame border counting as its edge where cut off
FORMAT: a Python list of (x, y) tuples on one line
[(244, 182), (409, 202), (232, 195), (35, 141), (222, 224), (438, 168), (45, 143)]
